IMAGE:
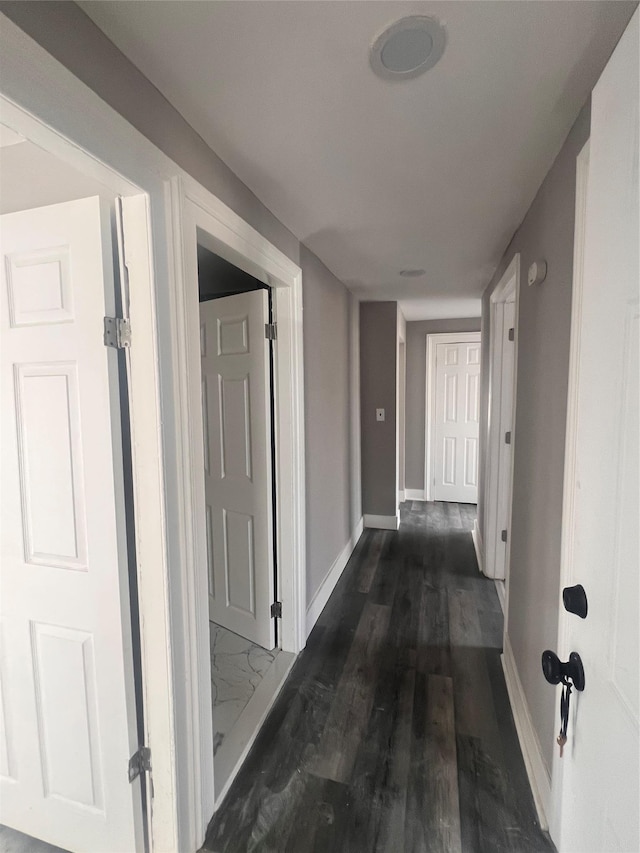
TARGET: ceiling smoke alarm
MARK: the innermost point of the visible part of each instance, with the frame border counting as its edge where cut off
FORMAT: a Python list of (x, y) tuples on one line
[(408, 48)]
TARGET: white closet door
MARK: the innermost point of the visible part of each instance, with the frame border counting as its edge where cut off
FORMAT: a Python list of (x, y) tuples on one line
[(68, 712), (237, 432)]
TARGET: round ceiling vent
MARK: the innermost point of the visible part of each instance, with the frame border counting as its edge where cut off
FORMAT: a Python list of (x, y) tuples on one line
[(408, 48)]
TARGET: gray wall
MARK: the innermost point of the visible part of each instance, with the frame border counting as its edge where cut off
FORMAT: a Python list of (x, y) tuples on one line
[(378, 353), (543, 371), (72, 38), (327, 381), (415, 429)]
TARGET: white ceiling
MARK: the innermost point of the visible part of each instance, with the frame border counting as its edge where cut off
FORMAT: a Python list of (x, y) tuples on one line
[(376, 176)]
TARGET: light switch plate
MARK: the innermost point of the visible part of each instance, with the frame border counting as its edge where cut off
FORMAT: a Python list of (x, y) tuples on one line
[(379, 414)]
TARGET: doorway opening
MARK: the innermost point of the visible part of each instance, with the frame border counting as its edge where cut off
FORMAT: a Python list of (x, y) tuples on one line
[(503, 343), (237, 376), (242, 360)]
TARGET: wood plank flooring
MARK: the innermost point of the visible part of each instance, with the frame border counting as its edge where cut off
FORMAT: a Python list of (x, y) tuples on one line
[(393, 733)]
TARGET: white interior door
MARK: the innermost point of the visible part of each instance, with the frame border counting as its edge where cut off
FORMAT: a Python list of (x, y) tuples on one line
[(68, 712), (600, 767), (456, 429), (237, 434), (505, 461)]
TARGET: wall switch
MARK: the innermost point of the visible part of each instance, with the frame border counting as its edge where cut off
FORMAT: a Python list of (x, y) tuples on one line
[(379, 414)]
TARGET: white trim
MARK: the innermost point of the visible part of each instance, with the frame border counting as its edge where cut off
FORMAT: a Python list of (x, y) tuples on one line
[(507, 289), (539, 777), (430, 398), (355, 466), (401, 496), (236, 745), (382, 522), (502, 594), (414, 494), (567, 576), (323, 593), (477, 544)]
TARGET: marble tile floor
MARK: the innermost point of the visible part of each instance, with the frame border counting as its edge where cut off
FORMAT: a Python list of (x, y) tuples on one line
[(237, 668)]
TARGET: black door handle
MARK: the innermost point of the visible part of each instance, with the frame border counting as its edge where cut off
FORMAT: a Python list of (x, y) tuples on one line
[(557, 672)]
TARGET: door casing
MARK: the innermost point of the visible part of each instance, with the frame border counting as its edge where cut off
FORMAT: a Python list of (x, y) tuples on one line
[(507, 289)]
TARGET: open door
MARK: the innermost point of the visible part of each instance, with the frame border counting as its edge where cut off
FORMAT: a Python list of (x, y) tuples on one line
[(597, 779), (68, 724), (237, 435)]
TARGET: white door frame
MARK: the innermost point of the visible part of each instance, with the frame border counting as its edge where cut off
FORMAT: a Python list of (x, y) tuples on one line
[(507, 289), (567, 563), (430, 397), (46, 103), (196, 209), (401, 384)]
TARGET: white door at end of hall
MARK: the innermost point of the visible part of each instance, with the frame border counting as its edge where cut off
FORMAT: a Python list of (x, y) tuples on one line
[(457, 422), (599, 773), (236, 393), (67, 714)]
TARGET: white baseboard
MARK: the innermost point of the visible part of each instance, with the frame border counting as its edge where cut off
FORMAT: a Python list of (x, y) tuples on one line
[(414, 494), (317, 603), (237, 743), (477, 544), (401, 496), (502, 593), (382, 522), (539, 777)]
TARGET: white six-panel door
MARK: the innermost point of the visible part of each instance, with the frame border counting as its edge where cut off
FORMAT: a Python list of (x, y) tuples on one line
[(456, 428), (237, 452), (68, 714), (598, 776)]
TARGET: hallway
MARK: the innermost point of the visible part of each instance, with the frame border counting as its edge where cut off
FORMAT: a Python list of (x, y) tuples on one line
[(394, 731)]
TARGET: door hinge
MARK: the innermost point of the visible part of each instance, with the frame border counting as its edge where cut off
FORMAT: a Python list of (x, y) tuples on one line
[(507, 437), (117, 332), (276, 610), (512, 334), (503, 535), (140, 762), (270, 331)]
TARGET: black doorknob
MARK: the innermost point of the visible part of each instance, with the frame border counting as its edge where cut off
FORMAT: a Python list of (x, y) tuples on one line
[(557, 672), (574, 599)]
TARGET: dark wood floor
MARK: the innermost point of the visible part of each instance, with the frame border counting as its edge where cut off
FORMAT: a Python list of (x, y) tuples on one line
[(393, 732)]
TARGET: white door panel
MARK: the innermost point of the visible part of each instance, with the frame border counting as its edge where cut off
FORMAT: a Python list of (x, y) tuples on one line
[(600, 769), (68, 710), (456, 429), (235, 400)]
